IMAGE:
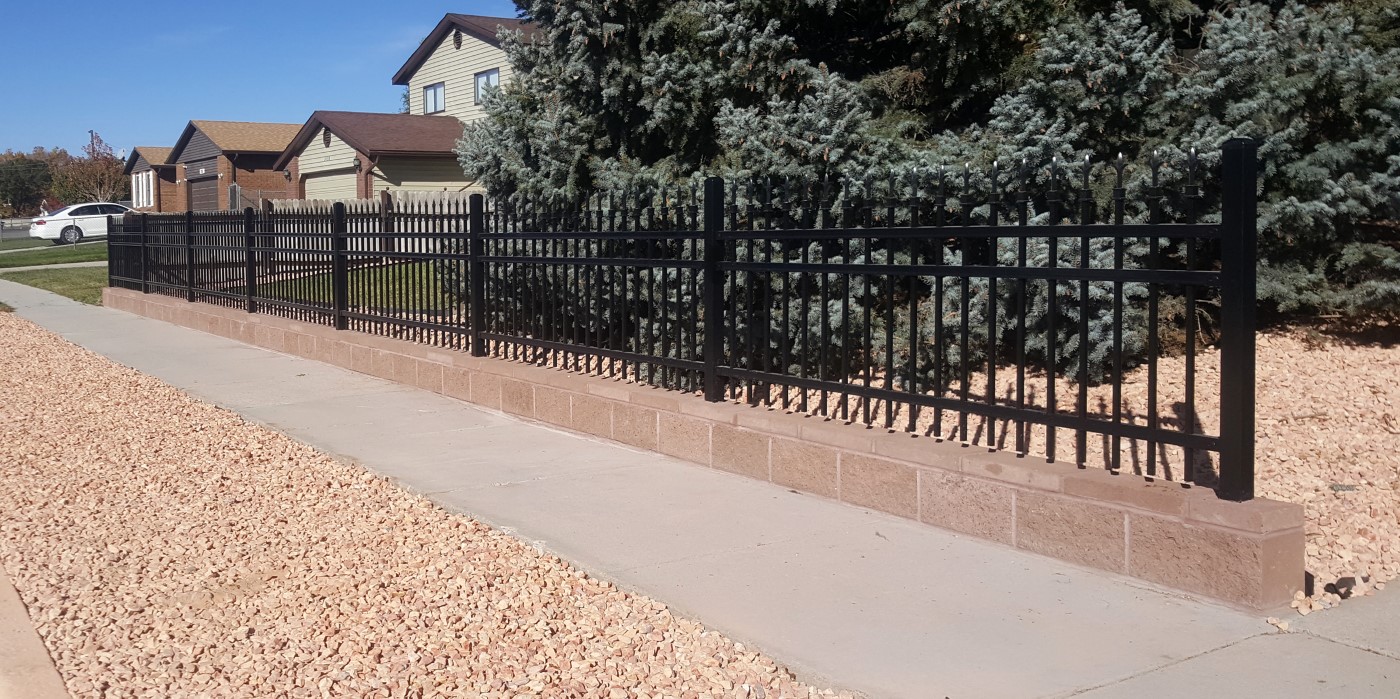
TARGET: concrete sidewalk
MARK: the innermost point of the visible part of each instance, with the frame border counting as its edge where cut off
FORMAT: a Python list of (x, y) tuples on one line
[(844, 596), (61, 265)]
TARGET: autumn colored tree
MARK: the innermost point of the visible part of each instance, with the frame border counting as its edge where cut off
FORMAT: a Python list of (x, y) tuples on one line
[(97, 176)]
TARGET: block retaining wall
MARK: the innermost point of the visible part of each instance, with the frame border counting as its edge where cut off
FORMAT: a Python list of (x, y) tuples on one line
[(1245, 554)]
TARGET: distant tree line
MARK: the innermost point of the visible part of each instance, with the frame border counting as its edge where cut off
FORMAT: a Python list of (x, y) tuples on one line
[(45, 179)]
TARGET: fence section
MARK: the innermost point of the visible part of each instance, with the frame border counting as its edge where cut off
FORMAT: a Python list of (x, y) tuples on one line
[(966, 307)]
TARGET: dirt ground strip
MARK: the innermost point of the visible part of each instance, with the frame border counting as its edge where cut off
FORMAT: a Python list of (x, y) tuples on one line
[(167, 548)]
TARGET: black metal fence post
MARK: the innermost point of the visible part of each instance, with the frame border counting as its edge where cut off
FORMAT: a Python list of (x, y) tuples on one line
[(111, 258), (250, 270), (476, 275), (189, 256), (145, 277), (340, 277), (713, 294), (1238, 248)]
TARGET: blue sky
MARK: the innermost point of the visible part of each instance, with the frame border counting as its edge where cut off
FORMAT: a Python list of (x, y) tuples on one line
[(137, 72)]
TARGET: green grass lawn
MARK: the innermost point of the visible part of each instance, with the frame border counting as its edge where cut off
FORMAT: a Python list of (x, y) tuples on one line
[(55, 255), (81, 284), (372, 287), (24, 243)]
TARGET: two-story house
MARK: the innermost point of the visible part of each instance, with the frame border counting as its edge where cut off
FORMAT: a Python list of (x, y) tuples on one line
[(358, 155), (454, 65)]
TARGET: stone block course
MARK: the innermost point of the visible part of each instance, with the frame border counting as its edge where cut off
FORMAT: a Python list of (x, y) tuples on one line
[(634, 425), (1248, 554), (1071, 530), (740, 451), (880, 484), (684, 437), (592, 415), (805, 466), (965, 504)]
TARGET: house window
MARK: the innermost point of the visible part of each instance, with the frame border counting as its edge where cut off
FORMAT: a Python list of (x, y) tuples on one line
[(485, 79), (433, 99), (143, 189)]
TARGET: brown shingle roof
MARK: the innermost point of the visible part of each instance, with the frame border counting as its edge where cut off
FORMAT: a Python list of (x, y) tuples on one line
[(154, 155), (379, 134), (483, 28), (247, 136)]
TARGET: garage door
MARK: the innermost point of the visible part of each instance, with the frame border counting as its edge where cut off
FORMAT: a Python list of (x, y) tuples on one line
[(331, 185), (204, 194)]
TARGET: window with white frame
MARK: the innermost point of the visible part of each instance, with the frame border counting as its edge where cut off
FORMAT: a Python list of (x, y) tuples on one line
[(143, 189), (485, 79), (433, 101)]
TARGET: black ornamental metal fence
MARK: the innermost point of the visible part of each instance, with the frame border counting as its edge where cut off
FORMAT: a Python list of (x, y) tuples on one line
[(1110, 331)]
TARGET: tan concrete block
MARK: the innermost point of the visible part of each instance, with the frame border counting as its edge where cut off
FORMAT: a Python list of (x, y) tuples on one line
[(341, 354), (918, 449), (518, 397), (592, 415), (850, 437), (684, 437), (723, 412), (437, 355), (457, 383), (740, 451), (564, 380), (810, 468), (486, 390), (1128, 490), (635, 425), (880, 484), (429, 376), (306, 344), (405, 369), (362, 359), (324, 350), (1258, 516), (660, 399), (1257, 571), (1028, 471), (552, 406), (1071, 530), (968, 505), (610, 389), (774, 422)]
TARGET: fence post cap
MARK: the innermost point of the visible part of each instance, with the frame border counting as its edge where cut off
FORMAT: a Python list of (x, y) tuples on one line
[(1240, 143)]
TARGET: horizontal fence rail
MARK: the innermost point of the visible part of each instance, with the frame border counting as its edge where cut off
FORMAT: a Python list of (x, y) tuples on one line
[(1053, 323)]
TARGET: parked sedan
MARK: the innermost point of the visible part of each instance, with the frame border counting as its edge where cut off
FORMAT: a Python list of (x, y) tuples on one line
[(73, 223)]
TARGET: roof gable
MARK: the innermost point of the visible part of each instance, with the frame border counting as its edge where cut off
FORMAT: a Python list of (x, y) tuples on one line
[(481, 28), (144, 158), (236, 137), (379, 134)]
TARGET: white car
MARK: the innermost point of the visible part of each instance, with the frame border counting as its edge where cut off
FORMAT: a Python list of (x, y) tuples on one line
[(72, 224)]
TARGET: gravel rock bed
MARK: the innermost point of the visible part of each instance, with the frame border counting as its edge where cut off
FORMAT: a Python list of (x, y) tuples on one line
[(167, 548)]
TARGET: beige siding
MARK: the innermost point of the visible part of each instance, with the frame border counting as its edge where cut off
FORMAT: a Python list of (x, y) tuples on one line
[(456, 69), (419, 174), (317, 157), (331, 185)]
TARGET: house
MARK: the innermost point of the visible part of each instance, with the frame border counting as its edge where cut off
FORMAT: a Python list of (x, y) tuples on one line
[(453, 66), (357, 155), (210, 156), (152, 179)]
